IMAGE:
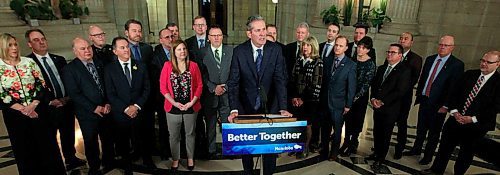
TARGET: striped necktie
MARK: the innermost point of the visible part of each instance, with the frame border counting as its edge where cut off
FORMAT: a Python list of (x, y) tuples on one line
[(472, 94)]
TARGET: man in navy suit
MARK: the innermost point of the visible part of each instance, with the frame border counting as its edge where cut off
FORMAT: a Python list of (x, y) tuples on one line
[(127, 87), (474, 105), (389, 86), (199, 40), (341, 89), (257, 66), (360, 32), (215, 71), (438, 77), (60, 107), (142, 52), (84, 83)]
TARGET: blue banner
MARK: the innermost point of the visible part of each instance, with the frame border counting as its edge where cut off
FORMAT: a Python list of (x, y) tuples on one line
[(263, 138)]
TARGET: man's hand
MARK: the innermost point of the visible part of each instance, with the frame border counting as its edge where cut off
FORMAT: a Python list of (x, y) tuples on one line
[(443, 110), (220, 89), (466, 120), (56, 103), (346, 110), (132, 111), (106, 109), (98, 110), (232, 116), (376, 103), (297, 102), (286, 113)]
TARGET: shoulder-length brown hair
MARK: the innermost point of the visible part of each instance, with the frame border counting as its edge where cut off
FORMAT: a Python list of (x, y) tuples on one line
[(4, 46), (175, 64)]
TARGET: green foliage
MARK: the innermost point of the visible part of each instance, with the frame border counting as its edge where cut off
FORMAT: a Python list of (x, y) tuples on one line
[(348, 8), (32, 9), (18, 7), (71, 9), (376, 17), (330, 15)]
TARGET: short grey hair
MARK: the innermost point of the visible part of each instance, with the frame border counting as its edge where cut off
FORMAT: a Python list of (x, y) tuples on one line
[(303, 25), (252, 19)]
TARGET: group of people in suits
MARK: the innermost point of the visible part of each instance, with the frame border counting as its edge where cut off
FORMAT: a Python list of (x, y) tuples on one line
[(116, 91)]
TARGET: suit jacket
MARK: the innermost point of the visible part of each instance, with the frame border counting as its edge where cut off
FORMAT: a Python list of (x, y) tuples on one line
[(443, 81), (322, 46), (159, 59), (244, 81), (371, 53), (414, 61), (327, 70), (392, 90), (105, 54), (83, 90), (290, 54), (213, 76), (59, 62), (194, 50), (120, 93), (341, 85), (485, 106), (146, 53)]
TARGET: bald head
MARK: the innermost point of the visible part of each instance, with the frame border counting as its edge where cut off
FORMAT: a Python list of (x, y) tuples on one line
[(97, 36), (82, 49), (446, 45), (490, 62)]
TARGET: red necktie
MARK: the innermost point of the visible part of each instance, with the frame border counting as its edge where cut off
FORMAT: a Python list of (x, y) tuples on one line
[(431, 79), (472, 94)]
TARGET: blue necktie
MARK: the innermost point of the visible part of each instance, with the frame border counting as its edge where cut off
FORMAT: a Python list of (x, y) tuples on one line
[(168, 55), (137, 54), (53, 79), (202, 43), (258, 63), (325, 51)]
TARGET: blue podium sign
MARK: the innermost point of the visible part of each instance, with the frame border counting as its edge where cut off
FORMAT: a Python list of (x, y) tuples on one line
[(263, 138)]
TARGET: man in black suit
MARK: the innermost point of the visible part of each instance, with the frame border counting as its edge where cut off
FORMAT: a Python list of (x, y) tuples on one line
[(142, 52), (175, 31), (160, 56), (84, 83), (215, 71), (332, 31), (199, 40), (127, 88), (389, 86), (414, 62), (438, 77), (60, 109), (474, 104), (272, 34), (292, 50), (102, 51), (257, 66), (360, 31)]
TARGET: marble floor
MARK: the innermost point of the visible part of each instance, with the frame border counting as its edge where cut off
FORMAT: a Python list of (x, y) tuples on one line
[(286, 165)]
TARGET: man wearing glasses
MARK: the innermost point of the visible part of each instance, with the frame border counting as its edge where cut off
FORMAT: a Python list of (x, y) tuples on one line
[(102, 51), (473, 105), (389, 86), (199, 40), (438, 77)]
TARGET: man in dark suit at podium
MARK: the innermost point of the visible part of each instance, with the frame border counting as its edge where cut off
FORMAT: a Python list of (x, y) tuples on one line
[(257, 66)]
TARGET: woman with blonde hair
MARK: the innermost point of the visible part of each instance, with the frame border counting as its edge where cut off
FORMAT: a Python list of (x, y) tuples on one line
[(21, 95), (181, 84), (306, 79)]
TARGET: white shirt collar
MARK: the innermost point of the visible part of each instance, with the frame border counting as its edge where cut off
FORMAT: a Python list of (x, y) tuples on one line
[(406, 53), (121, 62)]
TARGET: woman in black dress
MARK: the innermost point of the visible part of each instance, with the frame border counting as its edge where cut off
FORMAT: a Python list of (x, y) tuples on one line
[(355, 118), (306, 80)]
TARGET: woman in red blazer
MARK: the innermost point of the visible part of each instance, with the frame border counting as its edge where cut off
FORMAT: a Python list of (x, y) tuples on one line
[(181, 84)]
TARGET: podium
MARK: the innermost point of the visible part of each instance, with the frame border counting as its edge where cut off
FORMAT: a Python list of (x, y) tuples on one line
[(256, 134)]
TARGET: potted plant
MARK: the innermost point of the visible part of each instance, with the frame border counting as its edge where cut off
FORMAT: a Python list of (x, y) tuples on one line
[(70, 9), (33, 10), (330, 15), (348, 7)]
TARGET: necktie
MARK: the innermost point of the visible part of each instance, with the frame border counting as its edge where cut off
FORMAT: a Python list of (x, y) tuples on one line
[(53, 79), (137, 53), (168, 55), (431, 78), (202, 43), (217, 58), (335, 65), (386, 73), (297, 54), (353, 52), (258, 62), (95, 76), (127, 73), (325, 51), (472, 94)]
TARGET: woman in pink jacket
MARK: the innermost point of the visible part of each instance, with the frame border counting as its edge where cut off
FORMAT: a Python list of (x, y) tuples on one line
[(181, 84)]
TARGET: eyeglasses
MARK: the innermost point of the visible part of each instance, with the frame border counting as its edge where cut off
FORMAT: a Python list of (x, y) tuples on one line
[(391, 52), (167, 37), (99, 34), (218, 35), (199, 25), (488, 62), (445, 45)]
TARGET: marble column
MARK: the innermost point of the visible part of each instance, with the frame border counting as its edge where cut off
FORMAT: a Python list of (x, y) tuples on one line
[(253, 7), (404, 17), (172, 11)]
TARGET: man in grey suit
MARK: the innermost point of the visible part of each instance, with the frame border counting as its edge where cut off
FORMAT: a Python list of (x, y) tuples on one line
[(341, 90), (216, 63)]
